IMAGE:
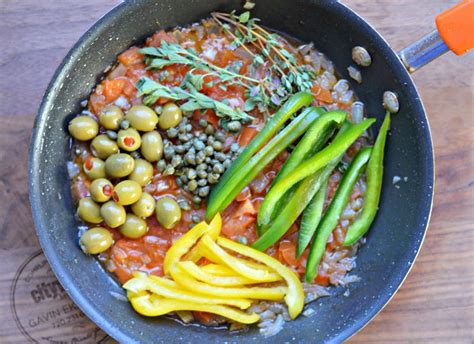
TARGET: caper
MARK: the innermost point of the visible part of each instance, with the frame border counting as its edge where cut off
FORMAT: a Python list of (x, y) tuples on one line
[(202, 174), (202, 137), (133, 227), (89, 211), (203, 191), (190, 158), (170, 116), (145, 206), (111, 134), (217, 145), (195, 218), (179, 182), (210, 140), (96, 240), (114, 214), (183, 137), (83, 128), (110, 117), (142, 118), (209, 130), (169, 170), (218, 168), (191, 173), (184, 205), (234, 147), (220, 136), (199, 145), (168, 152), (94, 168), (136, 155), (127, 192), (208, 150), (172, 132), (184, 178), (202, 181), (129, 139), (200, 157), (124, 124), (168, 212), (390, 102), (227, 163), (220, 157), (192, 185), (189, 128), (158, 109), (213, 178), (180, 149), (203, 122), (197, 200), (119, 165), (161, 165), (176, 161), (101, 190), (208, 160), (201, 167), (234, 125), (142, 173), (103, 147)]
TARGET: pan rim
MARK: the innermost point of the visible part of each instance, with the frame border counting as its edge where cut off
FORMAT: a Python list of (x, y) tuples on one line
[(66, 279)]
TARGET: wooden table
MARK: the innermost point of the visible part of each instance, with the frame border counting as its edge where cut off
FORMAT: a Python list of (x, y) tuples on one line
[(435, 303)]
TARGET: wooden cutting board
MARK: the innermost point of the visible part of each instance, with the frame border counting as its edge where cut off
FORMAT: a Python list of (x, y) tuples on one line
[(434, 305)]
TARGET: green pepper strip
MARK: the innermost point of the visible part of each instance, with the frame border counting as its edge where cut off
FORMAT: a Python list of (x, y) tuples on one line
[(293, 104), (312, 141), (282, 140), (312, 165), (334, 211), (311, 217), (305, 191), (374, 188)]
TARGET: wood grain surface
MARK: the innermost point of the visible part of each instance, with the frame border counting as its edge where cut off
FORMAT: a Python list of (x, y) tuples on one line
[(435, 304)]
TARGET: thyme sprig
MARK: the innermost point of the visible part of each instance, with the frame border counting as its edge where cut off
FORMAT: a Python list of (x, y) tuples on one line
[(153, 90)]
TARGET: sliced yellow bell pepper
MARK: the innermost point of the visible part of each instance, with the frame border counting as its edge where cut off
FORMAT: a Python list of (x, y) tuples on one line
[(188, 240), (151, 306), (216, 225), (295, 294), (241, 268), (138, 284), (222, 281), (218, 270), (186, 281)]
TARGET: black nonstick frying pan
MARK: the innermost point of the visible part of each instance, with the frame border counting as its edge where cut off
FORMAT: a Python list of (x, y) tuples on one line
[(395, 237)]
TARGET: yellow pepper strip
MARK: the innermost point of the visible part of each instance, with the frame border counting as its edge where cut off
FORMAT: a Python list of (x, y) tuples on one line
[(139, 284), (218, 270), (216, 225), (186, 281), (151, 306), (233, 263), (295, 295), (221, 281), (188, 240)]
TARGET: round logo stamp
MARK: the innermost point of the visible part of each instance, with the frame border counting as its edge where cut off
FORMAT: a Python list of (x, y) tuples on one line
[(43, 311)]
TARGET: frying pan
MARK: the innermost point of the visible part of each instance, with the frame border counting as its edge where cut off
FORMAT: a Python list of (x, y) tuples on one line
[(396, 235)]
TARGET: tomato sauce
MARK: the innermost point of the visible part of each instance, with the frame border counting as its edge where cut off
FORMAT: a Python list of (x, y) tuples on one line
[(239, 219)]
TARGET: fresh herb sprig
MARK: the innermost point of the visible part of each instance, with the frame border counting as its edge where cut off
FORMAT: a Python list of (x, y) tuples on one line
[(195, 100)]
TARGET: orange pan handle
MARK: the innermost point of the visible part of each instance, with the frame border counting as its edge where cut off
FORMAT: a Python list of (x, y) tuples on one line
[(455, 32), (456, 27)]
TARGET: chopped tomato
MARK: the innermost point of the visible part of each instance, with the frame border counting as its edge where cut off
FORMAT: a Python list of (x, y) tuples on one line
[(245, 208), (155, 40), (321, 94), (97, 100), (130, 56), (287, 249), (237, 225), (204, 317), (244, 194), (247, 135), (211, 117), (113, 89)]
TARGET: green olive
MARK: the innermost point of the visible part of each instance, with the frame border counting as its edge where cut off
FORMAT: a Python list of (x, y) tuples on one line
[(127, 192), (134, 227), (114, 215), (152, 146), (103, 147), (89, 211), (83, 128), (101, 190), (94, 168), (142, 173), (145, 206), (142, 118), (170, 116), (110, 117), (119, 165), (129, 139), (168, 212), (96, 240)]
